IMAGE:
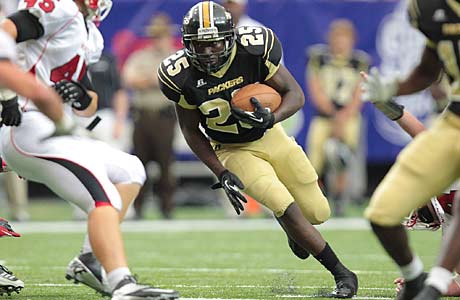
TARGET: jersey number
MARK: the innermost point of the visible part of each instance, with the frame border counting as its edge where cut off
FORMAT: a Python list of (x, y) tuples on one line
[(251, 36), (68, 70), (222, 107), (180, 62), (46, 5)]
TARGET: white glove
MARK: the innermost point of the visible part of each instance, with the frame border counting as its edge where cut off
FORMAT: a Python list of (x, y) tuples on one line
[(376, 89)]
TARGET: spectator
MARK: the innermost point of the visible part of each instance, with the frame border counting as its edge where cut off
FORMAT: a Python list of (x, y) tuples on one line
[(154, 118), (333, 83), (238, 10), (113, 105)]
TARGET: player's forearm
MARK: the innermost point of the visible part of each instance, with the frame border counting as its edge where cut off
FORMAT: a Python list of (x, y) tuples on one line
[(91, 109), (417, 81), (411, 124), (203, 150)]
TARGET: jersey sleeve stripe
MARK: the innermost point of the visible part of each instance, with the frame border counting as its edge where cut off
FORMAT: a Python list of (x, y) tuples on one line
[(414, 13), (272, 69), (167, 81), (430, 44), (183, 103), (272, 41)]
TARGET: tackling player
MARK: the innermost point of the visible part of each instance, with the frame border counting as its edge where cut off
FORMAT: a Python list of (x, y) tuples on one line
[(58, 39), (415, 177), (248, 152)]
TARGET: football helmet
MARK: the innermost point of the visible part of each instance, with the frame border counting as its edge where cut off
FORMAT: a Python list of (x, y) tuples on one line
[(208, 35), (428, 217), (98, 10)]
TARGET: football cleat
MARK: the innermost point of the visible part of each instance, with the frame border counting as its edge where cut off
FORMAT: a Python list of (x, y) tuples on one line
[(129, 289), (6, 229), (428, 293), (87, 270), (411, 288), (8, 282), (346, 285)]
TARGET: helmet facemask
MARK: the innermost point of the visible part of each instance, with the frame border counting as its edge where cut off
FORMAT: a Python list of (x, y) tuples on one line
[(209, 50), (98, 10)]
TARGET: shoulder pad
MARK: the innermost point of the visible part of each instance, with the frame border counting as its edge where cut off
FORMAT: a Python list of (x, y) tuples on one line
[(172, 74), (362, 59), (254, 39), (317, 50)]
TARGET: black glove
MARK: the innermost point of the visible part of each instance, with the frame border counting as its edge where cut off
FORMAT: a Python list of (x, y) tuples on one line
[(73, 93), (260, 118), (231, 185), (390, 109), (11, 113)]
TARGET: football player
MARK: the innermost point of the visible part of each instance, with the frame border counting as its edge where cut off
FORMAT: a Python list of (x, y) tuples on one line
[(8, 282), (438, 213), (57, 40), (333, 82), (248, 151), (415, 177)]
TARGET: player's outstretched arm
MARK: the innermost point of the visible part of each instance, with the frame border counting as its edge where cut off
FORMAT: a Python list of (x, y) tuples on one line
[(411, 124), (26, 85), (292, 95)]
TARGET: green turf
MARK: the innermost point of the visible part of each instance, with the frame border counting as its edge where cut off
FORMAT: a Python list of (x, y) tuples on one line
[(243, 265)]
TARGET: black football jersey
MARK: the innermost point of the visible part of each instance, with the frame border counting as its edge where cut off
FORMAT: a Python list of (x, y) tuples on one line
[(338, 77), (255, 58), (439, 21)]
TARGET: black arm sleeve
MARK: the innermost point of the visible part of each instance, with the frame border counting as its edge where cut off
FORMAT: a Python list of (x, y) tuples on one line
[(86, 82), (27, 25)]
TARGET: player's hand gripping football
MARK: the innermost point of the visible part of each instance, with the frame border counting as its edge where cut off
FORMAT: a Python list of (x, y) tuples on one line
[(11, 113), (74, 93), (232, 186), (381, 94), (260, 118)]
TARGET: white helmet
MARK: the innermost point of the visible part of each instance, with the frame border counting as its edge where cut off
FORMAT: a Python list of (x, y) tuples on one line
[(98, 10)]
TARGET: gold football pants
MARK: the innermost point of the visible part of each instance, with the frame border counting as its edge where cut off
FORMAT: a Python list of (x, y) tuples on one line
[(321, 130), (276, 172)]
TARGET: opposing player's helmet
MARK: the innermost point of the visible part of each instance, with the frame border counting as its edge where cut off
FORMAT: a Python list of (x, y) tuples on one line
[(98, 10), (428, 217), (208, 35)]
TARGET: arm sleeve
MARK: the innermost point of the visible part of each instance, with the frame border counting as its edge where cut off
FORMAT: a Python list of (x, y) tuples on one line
[(27, 25), (171, 90)]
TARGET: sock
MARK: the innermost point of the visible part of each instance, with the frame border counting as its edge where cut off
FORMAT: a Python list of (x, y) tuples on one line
[(329, 260), (412, 270), (116, 276), (86, 248), (439, 278)]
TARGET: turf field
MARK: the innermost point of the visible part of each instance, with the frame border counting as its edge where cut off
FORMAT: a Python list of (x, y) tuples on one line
[(240, 259)]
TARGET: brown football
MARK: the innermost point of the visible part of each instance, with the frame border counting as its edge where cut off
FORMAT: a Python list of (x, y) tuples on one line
[(266, 95)]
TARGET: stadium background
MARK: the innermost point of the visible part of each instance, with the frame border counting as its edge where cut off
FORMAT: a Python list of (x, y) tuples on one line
[(298, 24)]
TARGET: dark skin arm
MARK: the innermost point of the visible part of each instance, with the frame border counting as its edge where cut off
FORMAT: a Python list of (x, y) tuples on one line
[(189, 121), (292, 95), (423, 75)]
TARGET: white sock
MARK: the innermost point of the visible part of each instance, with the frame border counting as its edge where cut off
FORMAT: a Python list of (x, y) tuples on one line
[(86, 248), (439, 278), (412, 270), (116, 276)]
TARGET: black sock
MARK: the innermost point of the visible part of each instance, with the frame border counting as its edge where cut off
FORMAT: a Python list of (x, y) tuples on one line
[(330, 261)]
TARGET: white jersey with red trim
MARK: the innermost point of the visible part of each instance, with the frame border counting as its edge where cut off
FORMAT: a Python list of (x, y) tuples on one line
[(68, 45)]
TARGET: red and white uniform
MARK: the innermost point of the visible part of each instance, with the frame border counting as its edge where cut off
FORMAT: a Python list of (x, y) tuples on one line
[(79, 170)]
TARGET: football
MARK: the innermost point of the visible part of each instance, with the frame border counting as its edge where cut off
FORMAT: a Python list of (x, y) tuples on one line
[(267, 96)]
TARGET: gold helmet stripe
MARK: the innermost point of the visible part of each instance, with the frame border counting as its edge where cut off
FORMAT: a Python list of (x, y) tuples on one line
[(206, 10)]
